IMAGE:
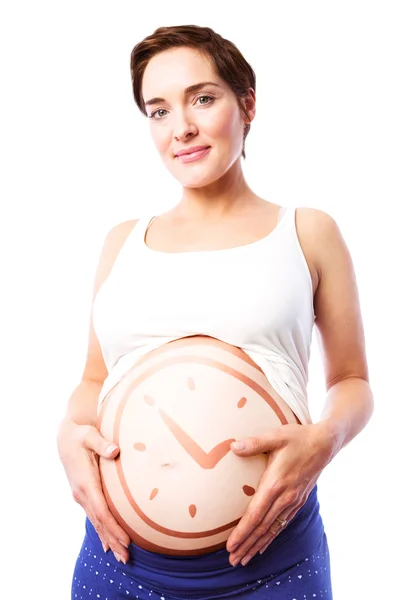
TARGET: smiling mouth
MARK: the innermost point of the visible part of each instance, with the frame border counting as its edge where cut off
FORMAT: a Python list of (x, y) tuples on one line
[(193, 155)]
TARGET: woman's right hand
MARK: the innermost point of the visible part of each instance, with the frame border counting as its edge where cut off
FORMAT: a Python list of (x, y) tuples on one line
[(79, 447)]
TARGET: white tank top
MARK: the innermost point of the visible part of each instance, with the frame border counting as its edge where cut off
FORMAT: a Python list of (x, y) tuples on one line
[(258, 297)]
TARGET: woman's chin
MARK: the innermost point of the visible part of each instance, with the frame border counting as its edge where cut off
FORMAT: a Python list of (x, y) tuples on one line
[(195, 180)]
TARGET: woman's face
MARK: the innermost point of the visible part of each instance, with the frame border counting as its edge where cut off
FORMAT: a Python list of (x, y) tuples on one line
[(181, 118)]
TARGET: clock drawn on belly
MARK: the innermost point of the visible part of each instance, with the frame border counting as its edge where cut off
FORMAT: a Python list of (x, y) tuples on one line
[(176, 487)]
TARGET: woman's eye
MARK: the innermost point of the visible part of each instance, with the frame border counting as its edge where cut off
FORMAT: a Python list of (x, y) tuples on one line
[(208, 98), (152, 115), (157, 114)]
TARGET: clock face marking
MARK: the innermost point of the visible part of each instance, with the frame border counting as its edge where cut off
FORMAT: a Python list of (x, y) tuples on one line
[(248, 490), (139, 446), (205, 460), (149, 400), (156, 523), (153, 493)]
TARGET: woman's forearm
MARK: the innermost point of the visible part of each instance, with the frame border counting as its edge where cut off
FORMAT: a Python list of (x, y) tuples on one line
[(348, 408), (82, 404)]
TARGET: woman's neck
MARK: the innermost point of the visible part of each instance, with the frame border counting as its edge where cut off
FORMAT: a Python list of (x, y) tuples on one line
[(219, 200)]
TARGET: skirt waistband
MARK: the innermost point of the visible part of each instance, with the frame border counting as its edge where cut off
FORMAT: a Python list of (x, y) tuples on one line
[(194, 575)]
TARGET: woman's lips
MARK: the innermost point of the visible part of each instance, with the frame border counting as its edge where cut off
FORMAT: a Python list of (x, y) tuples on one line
[(185, 158)]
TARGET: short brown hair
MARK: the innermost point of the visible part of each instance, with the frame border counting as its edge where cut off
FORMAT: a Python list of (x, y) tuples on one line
[(230, 64)]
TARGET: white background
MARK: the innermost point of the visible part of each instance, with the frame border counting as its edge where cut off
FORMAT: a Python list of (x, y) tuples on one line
[(77, 158)]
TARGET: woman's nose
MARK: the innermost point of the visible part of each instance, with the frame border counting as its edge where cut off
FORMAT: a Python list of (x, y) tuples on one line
[(184, 128)]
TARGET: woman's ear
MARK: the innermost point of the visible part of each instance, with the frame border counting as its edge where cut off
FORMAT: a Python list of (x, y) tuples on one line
[(249, 104)]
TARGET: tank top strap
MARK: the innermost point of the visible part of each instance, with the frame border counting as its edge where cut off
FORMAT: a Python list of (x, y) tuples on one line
[(137, 235), (287, 218), (142, 225), (282, 211)]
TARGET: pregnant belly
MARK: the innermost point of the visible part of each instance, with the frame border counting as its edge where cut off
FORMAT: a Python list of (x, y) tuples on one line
[(176, 487)]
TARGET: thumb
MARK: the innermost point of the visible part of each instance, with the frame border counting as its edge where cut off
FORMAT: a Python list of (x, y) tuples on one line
[(267, 442), (93, 440)]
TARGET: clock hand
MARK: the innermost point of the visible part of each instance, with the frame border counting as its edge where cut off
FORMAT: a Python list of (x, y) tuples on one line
[(204, 459)]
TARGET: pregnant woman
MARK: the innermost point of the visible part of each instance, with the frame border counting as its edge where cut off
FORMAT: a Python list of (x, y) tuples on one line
[(252, 278)]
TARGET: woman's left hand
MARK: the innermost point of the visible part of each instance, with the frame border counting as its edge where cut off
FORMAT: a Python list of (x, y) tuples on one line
[(297, 455)]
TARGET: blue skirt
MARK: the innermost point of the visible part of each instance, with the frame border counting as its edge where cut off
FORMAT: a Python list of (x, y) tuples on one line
[(295, 566)]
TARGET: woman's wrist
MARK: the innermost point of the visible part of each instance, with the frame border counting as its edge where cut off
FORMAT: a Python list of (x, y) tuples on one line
[(83, 403), (348, 408), (330, 437)]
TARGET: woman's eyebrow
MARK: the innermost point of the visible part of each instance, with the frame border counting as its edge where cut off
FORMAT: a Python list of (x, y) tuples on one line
[(192, 88)]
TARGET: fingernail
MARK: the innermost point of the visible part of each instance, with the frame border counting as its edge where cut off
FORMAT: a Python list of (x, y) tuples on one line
[(111, 448), (123, 543), (238, 445), (105, 548), (119, 558), (245, 560), (236, 561), (264, 548)]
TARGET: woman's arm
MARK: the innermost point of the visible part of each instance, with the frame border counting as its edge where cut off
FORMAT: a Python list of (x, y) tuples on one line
[(299, 453), (82, 404), (340, 334), (79, 441), (348, 408)]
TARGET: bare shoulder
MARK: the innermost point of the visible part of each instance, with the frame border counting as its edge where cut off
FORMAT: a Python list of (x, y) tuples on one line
[(313, 225), (337, 309), (318, 233), (310, 222)]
